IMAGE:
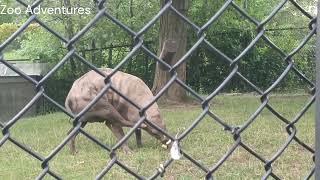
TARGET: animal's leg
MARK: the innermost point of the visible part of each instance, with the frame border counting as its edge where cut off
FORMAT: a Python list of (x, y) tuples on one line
[(73, 139), (112, 114), (138, 137), (118, 132), (124, 122)]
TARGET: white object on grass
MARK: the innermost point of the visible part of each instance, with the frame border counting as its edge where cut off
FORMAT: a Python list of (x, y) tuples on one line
[(175, 151)]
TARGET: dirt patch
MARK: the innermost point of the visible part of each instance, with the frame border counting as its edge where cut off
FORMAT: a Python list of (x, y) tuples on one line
[(172, 105)]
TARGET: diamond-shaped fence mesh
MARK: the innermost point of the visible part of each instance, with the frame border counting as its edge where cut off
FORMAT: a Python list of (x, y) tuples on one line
[(137, 36)]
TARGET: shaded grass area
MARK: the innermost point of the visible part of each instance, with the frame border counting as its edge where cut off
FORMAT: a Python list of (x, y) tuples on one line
[(207, 143)]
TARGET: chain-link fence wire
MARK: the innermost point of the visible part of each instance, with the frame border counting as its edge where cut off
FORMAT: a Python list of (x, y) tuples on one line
[(235, 131)]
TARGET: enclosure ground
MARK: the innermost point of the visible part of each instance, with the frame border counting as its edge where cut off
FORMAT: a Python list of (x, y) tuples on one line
[(207, 143)]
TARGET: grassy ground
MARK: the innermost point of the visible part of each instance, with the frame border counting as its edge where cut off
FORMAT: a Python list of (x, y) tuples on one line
[(207, 143)]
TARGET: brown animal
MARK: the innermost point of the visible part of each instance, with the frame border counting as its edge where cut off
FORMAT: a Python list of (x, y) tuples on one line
[(112, 109)]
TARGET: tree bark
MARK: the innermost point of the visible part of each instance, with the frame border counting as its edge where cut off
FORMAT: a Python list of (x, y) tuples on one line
[(172, 28), (70, 33)]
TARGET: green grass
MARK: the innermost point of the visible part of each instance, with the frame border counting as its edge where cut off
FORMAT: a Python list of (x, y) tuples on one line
[(207, 143)]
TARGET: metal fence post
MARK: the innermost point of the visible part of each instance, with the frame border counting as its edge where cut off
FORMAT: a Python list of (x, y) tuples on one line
[(317, 148)]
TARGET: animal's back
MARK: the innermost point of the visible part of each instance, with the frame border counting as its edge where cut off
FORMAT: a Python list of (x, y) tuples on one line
[(135, 90), (86, 88)]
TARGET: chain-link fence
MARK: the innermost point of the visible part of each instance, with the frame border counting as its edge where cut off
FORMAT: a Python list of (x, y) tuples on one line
[(139, 45)]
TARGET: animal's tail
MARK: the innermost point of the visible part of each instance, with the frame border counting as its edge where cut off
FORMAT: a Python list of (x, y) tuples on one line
[(67, 106)]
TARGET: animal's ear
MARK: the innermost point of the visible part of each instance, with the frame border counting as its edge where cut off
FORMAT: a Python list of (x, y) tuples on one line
[(169, 49)]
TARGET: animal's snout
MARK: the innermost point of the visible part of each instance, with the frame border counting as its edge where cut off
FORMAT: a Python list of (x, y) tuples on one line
[(166, 142)]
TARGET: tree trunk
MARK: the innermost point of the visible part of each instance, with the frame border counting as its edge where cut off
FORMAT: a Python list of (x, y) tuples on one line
[(172, 28), (70, 33)]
